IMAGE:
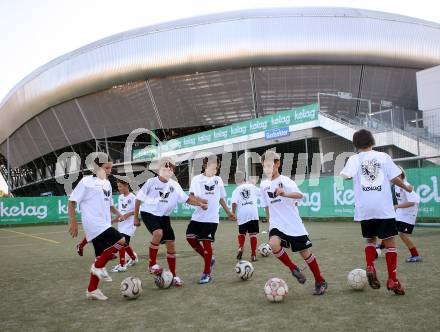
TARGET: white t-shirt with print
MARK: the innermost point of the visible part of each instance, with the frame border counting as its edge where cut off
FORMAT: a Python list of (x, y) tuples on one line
[(160, 198), (283, 212), (94, 197), (407, 215), (371, 172), (126, 205), (212, 189), (246, 196)]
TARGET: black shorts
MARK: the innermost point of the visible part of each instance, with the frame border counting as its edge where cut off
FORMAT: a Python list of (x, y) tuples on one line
[(403, 227), (127, 239), (154, 223), (296, 243), (382, 228), (250, 227), (105, 240), (202, 230)]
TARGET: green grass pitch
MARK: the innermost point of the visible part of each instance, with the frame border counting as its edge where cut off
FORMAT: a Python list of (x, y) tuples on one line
[(43, 282)]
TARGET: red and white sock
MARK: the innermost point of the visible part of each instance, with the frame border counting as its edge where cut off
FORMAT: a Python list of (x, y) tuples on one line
[(152, 253), (107, 255), (241, 240), (391, 258), (130, 252), (314, 267), (195, 244), (122, 256), (414, 251), (93, 283), (171, 259), (253, 244), (207, 246), (284, 258), (370, 254), (83, 243)]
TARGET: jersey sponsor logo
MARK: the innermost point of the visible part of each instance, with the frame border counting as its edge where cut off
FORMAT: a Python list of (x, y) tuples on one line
[(107, 193), (164, 196), (124, 206), (209, 189), (245, 193), (273, 196), (372, 175)]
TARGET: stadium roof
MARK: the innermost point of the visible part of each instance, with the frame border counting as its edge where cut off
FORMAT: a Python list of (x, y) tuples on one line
[(240, 39)]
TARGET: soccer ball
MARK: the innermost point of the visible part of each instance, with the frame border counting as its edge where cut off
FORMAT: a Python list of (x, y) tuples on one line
[(276, 289), (244, 270), (164, 280), (264, 249), (131, 288), (357, 279)]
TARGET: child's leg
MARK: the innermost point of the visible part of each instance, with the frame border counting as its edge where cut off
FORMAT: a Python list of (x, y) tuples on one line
[(280, 253), (253, 238), (313, 264), (171, 256), (154, 247), (409, 244)]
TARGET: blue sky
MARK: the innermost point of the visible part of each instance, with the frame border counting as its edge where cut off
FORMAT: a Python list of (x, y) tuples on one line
[(34, 32)]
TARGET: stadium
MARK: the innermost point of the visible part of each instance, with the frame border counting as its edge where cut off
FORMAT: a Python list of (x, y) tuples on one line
[(194, 75)]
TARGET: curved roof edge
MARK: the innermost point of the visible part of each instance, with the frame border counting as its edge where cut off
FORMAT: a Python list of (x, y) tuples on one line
[(285, 36)]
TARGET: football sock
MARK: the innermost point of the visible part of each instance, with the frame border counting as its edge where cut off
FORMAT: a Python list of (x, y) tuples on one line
[(122, 256), (130, 252), (152, 253), (241, 239), (370, 254), (195, 244), (414, 251), (254, 244), (171, 259), (107, 255), (284, 258), (391, 258), (207, 256), (314, 267), (83, 243), (93, 284)]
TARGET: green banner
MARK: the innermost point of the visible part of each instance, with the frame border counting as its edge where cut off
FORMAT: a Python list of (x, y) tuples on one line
[(279, 120), (322, 199)]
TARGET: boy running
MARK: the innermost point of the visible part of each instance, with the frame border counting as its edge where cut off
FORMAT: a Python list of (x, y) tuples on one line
[(203, 224), (280, 195), (159, 196), (93, 194), (244, 206), (125, 226), (372, 172)]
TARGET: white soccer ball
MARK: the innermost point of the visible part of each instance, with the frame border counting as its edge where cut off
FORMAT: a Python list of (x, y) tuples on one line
[(276, 289), (264, 249), (357, 279), (244, 270), (164, 280), (131, 288)]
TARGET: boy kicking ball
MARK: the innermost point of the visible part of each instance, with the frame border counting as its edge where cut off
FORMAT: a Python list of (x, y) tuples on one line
[(372, 173), (280, 195), (93, 194), (126, 226), (244, 206), (406, 214)]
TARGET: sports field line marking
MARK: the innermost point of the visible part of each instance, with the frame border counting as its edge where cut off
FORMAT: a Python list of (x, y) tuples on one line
[(18, 236), (30, 235)]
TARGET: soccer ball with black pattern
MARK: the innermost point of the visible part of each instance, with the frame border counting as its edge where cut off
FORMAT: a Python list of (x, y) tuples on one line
[(276, 289), (164, 280), (131, 288), (264, 249), (244, 270), (357, 279)]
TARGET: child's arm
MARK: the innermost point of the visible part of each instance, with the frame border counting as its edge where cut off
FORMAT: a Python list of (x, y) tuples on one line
[(116, 211), (196, 201), (231, 216), (137, 205), (398, 182), (404, 205), (267, 213), (73, 224)]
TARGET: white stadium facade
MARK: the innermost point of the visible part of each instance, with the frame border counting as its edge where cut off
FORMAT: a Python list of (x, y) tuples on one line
[(193, 75)]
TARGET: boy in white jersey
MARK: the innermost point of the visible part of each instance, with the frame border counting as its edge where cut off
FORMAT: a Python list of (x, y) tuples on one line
[(159, 196), (244, 206), (126, 225), (372, 172), (406, 214), (203, 224), (280, 195), (94, 196)]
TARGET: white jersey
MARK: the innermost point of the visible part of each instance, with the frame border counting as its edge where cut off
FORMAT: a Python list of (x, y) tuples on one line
[(212, 189), (160, 198), (126, 205), (94, 197), (371, 172), (283, 212), (407, 215), (246, 196)]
